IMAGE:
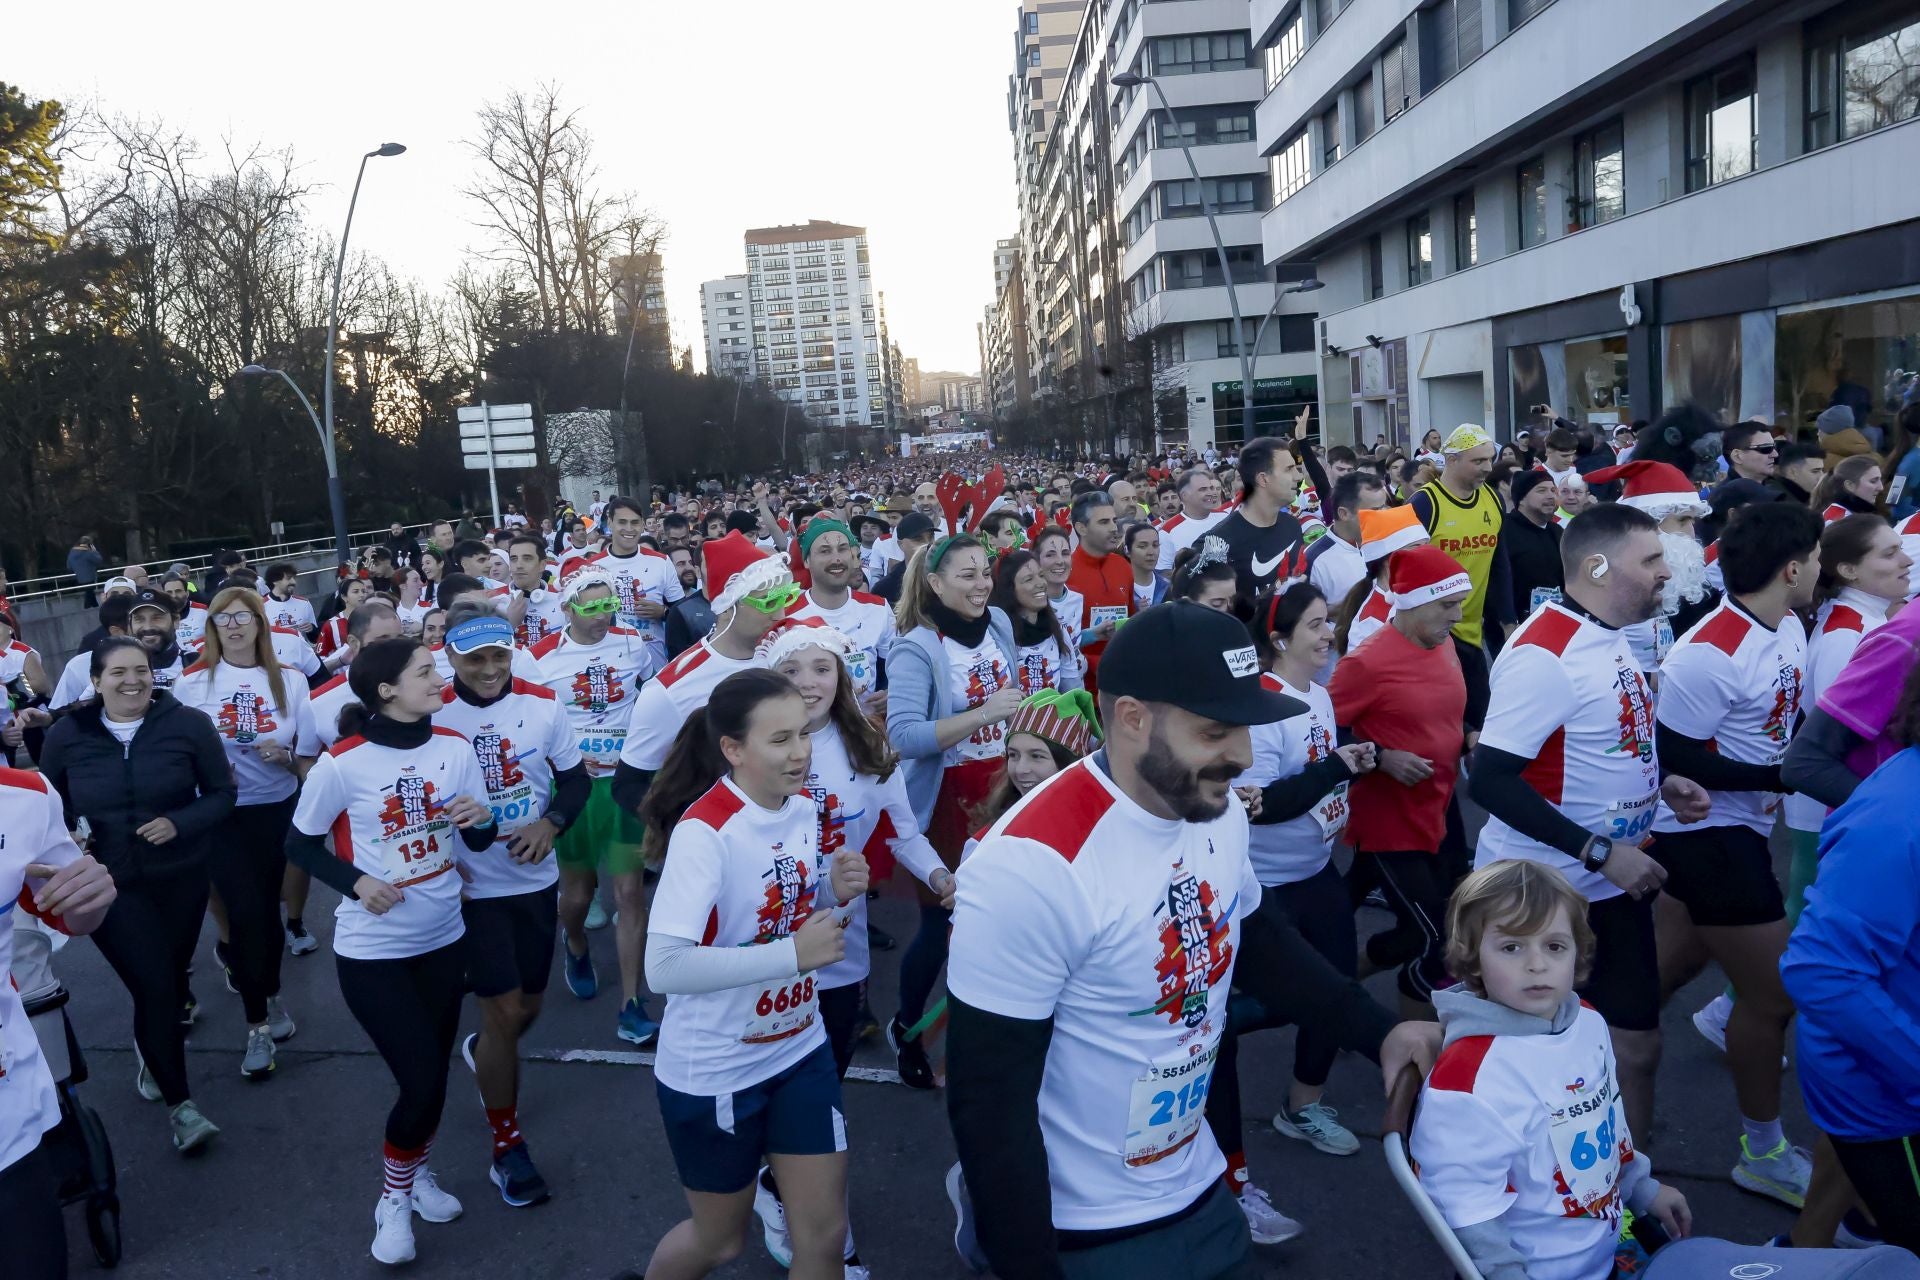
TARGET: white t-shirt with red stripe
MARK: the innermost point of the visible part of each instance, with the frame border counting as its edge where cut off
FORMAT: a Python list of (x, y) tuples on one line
[(1182, 531), (385, 810), (1080, 906), (326, 702), (1737, 684), (1909, 531), (1530, 1130), (599, 686), (36, 828), (738, 875), (240, 702), (294, 614), (646, 574), (545, 616), (1291, 851), (1374, 613), (1838, 629), (1568, 697), (192, 626), (13, 661), (667, 700), (867, 620), (519, 741), (290, 649)]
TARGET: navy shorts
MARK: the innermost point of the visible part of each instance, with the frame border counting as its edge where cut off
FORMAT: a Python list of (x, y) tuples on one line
[(718, 1142), (509, 942), (1624, 984)]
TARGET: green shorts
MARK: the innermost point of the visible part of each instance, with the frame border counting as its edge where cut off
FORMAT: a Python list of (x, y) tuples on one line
[(604, 836)]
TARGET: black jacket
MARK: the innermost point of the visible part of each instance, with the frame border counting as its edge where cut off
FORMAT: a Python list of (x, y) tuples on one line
[(689, 619), (174, 768)]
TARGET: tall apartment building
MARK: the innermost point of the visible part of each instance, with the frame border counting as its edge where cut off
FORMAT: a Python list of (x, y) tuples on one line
[(816, 326), (1610, 208), (1129, 309), (641, 279), (726, 322), (1004, 337)]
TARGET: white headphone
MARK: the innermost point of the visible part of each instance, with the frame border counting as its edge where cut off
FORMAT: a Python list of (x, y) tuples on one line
[(1598, 571)]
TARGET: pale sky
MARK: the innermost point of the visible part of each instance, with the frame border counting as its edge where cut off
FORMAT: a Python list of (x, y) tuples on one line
[(723, 115)]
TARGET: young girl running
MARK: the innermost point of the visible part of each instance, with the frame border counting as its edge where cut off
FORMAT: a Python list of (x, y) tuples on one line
[(861, 798), (745, 917), (396, 792)]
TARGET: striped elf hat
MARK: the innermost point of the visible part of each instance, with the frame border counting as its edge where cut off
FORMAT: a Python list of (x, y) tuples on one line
[(1066, 720)]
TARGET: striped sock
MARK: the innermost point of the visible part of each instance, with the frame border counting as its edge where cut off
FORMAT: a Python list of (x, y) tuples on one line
[(505, 1123), (1236, 1174), (401, 1165)]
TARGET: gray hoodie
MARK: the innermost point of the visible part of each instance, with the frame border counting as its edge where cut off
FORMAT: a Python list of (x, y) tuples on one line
[(1462, 1013)]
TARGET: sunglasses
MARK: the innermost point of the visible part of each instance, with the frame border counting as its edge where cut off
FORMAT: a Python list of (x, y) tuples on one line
[(594, 608), (775, 599), (1762, 448)]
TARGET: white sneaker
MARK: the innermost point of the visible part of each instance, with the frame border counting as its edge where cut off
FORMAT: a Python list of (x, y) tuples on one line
[(1780, 1174), (280, 1023), (1318, 1124), (393, 1229), (1268, 1224), (432, 1201), (143, 1082), (773, 1224), (965, 1242), (1710, 1020), (858, 1271)]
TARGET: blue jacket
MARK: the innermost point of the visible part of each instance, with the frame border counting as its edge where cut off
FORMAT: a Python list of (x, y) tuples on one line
[(1909, 473), (920, 695), (1853, 964)]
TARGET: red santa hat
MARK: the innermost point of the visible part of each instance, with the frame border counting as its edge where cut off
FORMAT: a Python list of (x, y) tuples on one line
[(1420, 575), (736, 569), (1658, 488)]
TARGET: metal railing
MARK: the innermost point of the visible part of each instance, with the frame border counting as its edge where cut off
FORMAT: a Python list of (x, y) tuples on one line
[(55, 586)]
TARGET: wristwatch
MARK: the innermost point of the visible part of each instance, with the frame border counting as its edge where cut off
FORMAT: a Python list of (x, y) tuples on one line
[(1594, 854)]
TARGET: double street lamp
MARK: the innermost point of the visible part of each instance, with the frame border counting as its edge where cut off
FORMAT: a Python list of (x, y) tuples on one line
[(1133, 80)]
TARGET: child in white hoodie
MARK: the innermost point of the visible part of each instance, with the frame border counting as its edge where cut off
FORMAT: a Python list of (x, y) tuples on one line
[(1521, 1138)]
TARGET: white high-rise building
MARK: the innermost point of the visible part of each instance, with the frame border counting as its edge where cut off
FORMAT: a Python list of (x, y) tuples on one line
[(816, 334), (726, 319), (1611, 207)]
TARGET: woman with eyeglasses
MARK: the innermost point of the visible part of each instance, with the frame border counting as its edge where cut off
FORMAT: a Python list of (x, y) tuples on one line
[(152, 780), (953, 685), (262, 713)]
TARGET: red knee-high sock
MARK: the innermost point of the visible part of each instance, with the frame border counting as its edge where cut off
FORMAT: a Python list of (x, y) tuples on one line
[(1236, 1175), (505, 1123)]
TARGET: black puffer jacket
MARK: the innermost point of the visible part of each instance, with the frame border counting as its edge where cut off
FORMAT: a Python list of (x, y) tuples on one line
[(174, 768)]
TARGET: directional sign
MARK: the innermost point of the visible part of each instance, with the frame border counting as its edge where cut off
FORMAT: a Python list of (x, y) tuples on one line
[(501, 444), (503, 461), (497, 412)]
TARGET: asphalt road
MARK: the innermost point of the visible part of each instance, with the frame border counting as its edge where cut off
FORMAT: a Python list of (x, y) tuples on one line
[(287, 1190)]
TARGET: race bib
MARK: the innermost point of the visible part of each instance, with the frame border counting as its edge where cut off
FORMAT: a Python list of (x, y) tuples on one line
[(781, 1012), (1101, 614), (1584, 1135), (602, 747), (1542, 595), (414, 858), (1331, 814), (1628, 820), (1168, 1105), (860, 667), (1662, 637)]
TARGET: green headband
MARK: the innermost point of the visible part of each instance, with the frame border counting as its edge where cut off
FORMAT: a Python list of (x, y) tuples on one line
[(938, 551), (816, 527)]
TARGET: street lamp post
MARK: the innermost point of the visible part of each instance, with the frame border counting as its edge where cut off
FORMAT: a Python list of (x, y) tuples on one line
[(1133, 80), (336, 496), (326, 448)]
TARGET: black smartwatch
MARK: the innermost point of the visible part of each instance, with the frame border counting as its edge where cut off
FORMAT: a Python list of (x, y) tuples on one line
[(1595, 852)]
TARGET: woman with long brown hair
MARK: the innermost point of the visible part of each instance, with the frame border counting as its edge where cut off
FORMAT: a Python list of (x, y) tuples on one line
[(1047, 658), (265, 721)]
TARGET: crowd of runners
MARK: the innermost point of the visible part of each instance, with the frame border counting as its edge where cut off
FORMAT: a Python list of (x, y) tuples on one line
[(1142, 736)]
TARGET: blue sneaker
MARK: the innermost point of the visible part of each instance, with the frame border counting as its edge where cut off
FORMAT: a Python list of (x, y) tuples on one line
[(581, 980), (635, 1026)]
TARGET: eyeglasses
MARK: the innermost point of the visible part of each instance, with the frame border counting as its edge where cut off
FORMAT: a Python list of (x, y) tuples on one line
[(594, 608), (775, 599), (232, 619)]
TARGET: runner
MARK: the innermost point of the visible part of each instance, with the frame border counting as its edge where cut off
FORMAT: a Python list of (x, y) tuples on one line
[(534, 608), (1730, 695), (596, 668), (148, 618), (1073, 1035), (827, 549), (861, 796), (1364, 612), (42, 871), (350, 595), (746, 920), (1100, 575), (265, 721), (1264, 540), (954, 688), (1570, 773), (537, 785), (1053, 548), (1203, 575), (643, 578), (1047, 657), (1463, 516), (286, 610), (1200, 510), (20, 662), (1335, 564), (395, 795)]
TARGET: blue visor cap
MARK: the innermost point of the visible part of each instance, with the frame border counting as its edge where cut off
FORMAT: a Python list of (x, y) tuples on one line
[(480, 633)]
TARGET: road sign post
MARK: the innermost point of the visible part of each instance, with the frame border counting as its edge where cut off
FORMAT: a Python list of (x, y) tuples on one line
[(497, 438)]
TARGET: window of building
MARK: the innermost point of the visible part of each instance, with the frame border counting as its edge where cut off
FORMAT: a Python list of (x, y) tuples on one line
[(1721, 128), (1285, 335), (1599, 172), (1286, 48), (1200, 268), (1170, 347), (1518, 11), (1466, 232), (1419, 249), (1376, 269), (1532, 181), (1191, 55), (1289, 166), (1363, 115), (1033, 24), (1449, 40), (1324, 12), (1863, 75), (1206, 126), (1228, 195), (1330, 135), (1393, 78), (1033, 56)]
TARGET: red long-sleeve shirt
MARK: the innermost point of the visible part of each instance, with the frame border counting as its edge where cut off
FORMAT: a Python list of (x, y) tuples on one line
[(1106, 581), (1396, 695)]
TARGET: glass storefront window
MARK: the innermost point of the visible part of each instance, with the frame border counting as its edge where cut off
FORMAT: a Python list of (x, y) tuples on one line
[(1276, 403), (1703, 366), (1862, 355), (1597, 380)]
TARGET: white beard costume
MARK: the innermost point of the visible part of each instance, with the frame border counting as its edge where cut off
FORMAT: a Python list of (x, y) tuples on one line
[(1687, 560)]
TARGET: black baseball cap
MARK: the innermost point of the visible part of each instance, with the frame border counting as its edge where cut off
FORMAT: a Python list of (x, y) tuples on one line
[(913, 525), (1198, 659), (151, 599)]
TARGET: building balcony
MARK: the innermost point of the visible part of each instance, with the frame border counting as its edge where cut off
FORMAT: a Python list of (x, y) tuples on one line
[(1172, 235), (1167, 164), (1205, 89), (1197, 306), (1177, 18)]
